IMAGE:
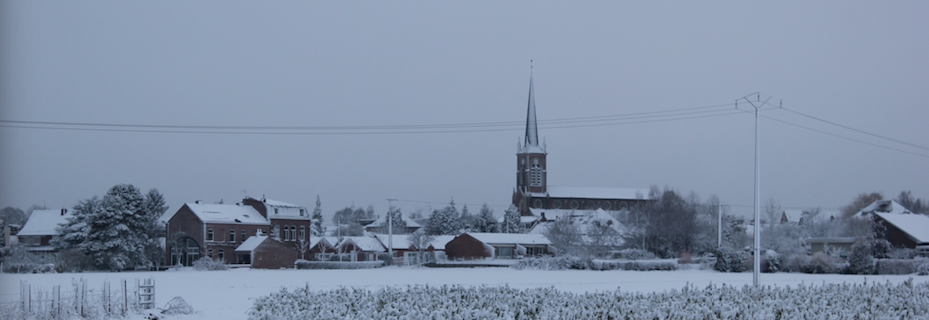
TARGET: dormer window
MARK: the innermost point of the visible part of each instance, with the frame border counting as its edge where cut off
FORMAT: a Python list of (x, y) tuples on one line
[(275, 210)]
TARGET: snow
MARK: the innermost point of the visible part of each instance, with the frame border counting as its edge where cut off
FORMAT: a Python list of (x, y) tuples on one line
[(400, 240), (915, 225), (251, 243), (439, 242), (597, 193), (226, 213), (281, 204), (229, 294), (44, 222), (364, 243), (510, 238)]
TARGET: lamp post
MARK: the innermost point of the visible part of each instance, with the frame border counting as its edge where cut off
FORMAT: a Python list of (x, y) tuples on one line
[(757, 229)]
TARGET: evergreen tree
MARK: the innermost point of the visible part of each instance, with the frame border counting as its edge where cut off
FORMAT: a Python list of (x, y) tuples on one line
[(511, 220), (445, 221), (467, 221), (396, 219), (153, 208), (317, 228), (74, 232), (486, 221)]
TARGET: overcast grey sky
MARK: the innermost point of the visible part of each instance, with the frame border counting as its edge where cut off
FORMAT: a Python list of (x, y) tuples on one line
[(864, 65)]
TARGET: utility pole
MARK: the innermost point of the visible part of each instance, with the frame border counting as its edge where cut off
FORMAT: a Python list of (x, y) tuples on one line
[(390, 229), (719, 226), (757, 229)]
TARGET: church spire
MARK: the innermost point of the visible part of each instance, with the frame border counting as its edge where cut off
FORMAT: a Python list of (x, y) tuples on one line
[(532, 129)]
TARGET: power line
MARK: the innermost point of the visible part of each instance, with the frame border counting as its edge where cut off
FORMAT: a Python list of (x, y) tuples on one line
[(857, 130)]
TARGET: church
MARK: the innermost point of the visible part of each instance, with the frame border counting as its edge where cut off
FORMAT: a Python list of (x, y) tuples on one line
[(535, 198)]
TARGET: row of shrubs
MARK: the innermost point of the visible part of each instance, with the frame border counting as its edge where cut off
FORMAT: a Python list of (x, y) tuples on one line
[(565, 263), (305, 264), (728, 260)]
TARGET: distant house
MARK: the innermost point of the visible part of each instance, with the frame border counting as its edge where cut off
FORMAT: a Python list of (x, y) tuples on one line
[(264, 252), (902, 227), (322, 248), (406, 253), (210, 230), (289, 222), (838, 245), (379, 225), (473, 246), (38, 232), (361, 248)]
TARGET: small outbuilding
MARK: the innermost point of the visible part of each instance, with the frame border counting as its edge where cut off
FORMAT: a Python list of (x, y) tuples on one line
[(473, 246)]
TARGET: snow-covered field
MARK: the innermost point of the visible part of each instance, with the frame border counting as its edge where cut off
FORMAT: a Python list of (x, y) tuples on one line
[(229, 294)]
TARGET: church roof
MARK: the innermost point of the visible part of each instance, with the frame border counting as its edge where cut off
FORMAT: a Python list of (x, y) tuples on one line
[(531, 140), (596, 193)]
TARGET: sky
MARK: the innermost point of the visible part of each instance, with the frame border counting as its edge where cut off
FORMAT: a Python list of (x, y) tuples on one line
[(362, 102)]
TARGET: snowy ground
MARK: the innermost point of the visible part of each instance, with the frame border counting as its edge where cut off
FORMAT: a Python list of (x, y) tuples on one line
[(228, 294)]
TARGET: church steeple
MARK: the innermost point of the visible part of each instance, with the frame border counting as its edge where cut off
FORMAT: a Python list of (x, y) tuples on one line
[(532, 129)]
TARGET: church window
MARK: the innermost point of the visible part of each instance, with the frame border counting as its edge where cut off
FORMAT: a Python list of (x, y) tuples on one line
[(623, 206), (535, 174), (573, 204), (537, 203), (591, 205), (607, 205), (556, 204)]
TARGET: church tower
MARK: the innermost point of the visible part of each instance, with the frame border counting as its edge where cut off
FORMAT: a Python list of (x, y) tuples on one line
[(531, 173)]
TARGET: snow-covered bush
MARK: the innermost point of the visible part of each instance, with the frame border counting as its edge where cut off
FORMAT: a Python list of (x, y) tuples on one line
[(634, 254), (729, 260), (832, 301), (897, 266), (20, 260), (208, 264), (903, 253), (551, 263), (796, 263), (304, 264), (821, 263), (770, 262), (923, 269), (860, 259), (635, 265), (685, 257)]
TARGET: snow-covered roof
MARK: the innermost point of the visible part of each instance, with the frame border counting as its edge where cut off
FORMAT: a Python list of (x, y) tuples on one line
[(251, 243), (528, 219), (914, 225), (510, 238), (364, 243), (44, 222), (400, 240), (382, 221), (884, 206), (330, 241), (226, 213), (439, 242), (281, 204), (597, 193), (793, 215)]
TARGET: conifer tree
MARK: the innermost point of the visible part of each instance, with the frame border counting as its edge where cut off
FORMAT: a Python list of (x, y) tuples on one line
[(511, 221), (317, 217)]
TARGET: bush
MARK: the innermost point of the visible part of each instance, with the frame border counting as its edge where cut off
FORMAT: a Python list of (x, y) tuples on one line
[(634, 254), (685, 258), (821, 263), (729, 260), (304, 264), (73, 260), (796, 263), (923, 269), (635, 265), (20, 260), (897, 266), (551, 263), (770, 262), (903, 253), (208, 264), (860, 260)]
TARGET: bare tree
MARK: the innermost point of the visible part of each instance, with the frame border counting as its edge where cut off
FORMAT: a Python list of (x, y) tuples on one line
[(303, 246), (771, 211), (421, 240), (860, 201)]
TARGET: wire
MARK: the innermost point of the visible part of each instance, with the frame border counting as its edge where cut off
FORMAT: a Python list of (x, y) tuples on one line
[(857, 130)]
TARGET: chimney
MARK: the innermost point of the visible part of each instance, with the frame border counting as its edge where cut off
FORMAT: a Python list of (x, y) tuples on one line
[(197, 202)]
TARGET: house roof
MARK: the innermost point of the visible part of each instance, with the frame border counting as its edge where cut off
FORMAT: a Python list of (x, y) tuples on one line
[(364, 243), (44, 222), (251, 243), (597, 193), (401, 241), (884, 206), (793, 215), (510, 238), (227, 213), (330, 241), (439, 242), (914, 225)]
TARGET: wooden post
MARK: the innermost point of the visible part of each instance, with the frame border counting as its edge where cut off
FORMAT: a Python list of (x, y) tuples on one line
[(125, 298), (56, 296)]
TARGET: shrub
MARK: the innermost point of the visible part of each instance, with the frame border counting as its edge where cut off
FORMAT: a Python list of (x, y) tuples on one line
[(685, 257), (796, 263), (304, 264), (20, 260), (550, 263), (208, 264), (635, 265), (903, 253), (820, 263), (860, 260), (923, 269), (897, 266), (729, 260), (73, 260), (634, 254), (770, 262)]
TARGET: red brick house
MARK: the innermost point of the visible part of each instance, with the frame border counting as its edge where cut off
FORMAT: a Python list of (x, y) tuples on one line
[(289, 222), (210, 230), (474, 246), (361, 248), (264, 252), (322, 248)]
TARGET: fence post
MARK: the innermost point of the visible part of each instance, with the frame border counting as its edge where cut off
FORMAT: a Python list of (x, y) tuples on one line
[(56, 299), (125, 298), (83, 294)]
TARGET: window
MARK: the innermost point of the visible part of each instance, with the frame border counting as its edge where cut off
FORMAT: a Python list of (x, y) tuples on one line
[(573, 204), (244, 235), (209, 235), (303, 233), (231, 235), (302, 212), (275, 210), (277, 231), (222, 254), (286, 233), (535, 174), (35, 240), (209, 253)]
